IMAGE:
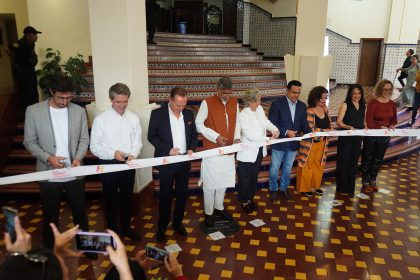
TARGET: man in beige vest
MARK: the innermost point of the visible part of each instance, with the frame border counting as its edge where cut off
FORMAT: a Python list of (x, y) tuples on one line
[(218, 121)]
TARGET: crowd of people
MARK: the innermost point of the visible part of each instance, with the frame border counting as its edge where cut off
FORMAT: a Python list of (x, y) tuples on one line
[(56, 133)]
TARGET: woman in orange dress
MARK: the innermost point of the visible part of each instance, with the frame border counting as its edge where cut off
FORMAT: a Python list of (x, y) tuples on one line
[(312, 153)]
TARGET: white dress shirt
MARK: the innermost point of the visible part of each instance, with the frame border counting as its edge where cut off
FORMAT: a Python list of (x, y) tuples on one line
[(254, 126), (113, 132), (209, 133), (178, 131)]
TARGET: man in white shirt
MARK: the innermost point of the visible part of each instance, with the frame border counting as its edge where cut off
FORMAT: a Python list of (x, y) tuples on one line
[(116, 138), (56, 133), (172, 132), (218, 121)]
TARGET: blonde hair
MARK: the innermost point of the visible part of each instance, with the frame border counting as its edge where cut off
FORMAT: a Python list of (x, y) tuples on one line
[(250, 95), (380, 85)]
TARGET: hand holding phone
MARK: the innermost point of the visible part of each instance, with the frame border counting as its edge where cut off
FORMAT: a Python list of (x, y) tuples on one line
[(10, 214), (95, 242), (156, 253)]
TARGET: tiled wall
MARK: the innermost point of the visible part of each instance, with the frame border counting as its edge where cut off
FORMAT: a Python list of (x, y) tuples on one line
[(273, 36), (346, 59)]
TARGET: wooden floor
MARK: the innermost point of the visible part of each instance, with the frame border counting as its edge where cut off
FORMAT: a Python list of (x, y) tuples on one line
[(378, 238)]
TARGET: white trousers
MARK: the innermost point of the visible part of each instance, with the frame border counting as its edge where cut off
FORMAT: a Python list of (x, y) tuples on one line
[(213, 199)]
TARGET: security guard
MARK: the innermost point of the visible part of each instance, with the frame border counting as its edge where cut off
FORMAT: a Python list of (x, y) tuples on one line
[(24, 60)]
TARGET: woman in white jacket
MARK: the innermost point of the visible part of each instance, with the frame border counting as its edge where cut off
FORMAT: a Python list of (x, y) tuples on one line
[(254, 126)]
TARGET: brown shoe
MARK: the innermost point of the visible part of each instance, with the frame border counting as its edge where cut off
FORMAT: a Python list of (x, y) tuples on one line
[(367, 189)]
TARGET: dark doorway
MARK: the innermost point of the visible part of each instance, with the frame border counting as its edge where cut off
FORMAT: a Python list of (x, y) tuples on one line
[(229, 17), (190, 12), (369, 61), (214, 21)]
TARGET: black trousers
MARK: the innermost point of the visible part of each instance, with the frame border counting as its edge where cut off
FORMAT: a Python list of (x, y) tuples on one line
[(177, 174), (348, 152), (117, 184), (416, 107), (151, 29), (401, 78), (51, 193), (27, 88), (373, 153), (248, 178)]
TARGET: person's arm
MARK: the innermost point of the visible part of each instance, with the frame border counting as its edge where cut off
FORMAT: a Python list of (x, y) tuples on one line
[(97, 145), (153, 134), (394, 120), (340, 117), (119, 257), (370, 112), (83, 139), (136, 143), (274, 117), (31, 140), (248, 131), (237, 135), (23, 241), (202, 114)]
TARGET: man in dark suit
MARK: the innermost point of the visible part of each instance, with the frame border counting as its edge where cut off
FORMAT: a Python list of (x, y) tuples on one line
[(172, 132), (406, 64), (289, 115)]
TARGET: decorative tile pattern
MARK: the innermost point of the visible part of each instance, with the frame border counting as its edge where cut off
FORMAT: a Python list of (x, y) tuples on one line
[(151, 58), (346, 58), (214, 79), (213, 85), (217, 72), (215, 65), (273, 36)]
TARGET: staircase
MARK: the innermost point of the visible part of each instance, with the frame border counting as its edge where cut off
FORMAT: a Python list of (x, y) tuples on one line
[(197, 62)]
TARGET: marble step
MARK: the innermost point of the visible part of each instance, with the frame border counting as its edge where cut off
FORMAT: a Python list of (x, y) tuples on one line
[(212, 79), (153, 58), (213, 65), (194, 71), (199, 45), (191, 36), (195, 40), (167, 86), (171, 53), (196, 49)]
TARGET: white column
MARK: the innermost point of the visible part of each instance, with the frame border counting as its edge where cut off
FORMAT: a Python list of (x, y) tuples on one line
[(309, 65), (119, 54)]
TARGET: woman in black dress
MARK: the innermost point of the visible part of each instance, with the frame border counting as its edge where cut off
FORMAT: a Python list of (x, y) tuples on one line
[(351, 115)]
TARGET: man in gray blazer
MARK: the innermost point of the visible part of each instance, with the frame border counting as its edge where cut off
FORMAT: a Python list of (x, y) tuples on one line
[(56, 133)]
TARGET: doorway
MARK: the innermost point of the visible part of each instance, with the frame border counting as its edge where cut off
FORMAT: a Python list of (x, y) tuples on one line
[(369, 61)]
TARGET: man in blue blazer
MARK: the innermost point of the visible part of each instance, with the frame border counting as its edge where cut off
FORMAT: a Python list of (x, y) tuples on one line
[(172, 132), (289, 115)]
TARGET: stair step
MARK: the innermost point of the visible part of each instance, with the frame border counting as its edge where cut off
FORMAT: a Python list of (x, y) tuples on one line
[(214, 79), (200, 49), (216, 64), (199, 45), (202, 58), (171, 53), (243, 71), (179, 35)]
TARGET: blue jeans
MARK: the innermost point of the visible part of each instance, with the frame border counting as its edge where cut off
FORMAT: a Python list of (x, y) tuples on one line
[(284, 159)]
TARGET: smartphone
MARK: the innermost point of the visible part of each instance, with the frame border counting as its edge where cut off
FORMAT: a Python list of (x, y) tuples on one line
[(94, 242), (156, 253), (10, 214)]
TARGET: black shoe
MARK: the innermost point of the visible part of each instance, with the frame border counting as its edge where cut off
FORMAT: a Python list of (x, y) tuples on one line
[(308, 194), (252, 205), (287, 195), (410, 124), (134, 236), (246, 207), (223, 214), (90, 255), (180, 229), (274, 195), (319, 191), (209, 220)]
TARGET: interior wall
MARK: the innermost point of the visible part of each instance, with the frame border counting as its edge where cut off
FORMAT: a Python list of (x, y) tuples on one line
[(404, 23), (359, 19), (6, 77), (20, 9), (280, 8), (64, 25)]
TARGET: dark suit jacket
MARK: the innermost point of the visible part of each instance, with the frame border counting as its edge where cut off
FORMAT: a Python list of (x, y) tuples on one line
[(281, 117), (160, 134)]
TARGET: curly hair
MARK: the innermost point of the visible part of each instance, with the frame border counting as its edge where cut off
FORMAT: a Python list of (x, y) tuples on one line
[(315, 95), (358, 87)]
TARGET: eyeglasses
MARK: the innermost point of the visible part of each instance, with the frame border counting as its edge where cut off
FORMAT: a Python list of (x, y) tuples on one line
[(387, 89), (35, 258), (63, 98)]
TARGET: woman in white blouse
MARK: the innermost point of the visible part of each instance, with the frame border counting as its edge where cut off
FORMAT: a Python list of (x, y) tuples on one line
[(254, 126)]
